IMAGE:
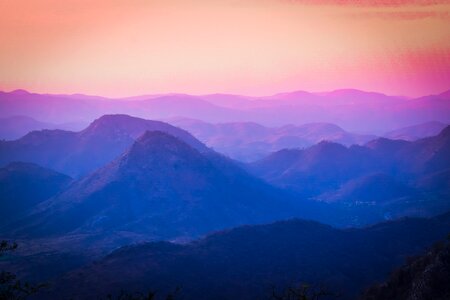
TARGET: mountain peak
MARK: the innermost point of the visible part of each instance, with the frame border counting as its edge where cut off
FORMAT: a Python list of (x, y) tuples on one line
[(158, 147), (121, 126), (150, 137), (117, 120)]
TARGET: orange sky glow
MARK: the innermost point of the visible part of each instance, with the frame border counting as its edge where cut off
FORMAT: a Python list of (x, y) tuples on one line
[(120, 48)]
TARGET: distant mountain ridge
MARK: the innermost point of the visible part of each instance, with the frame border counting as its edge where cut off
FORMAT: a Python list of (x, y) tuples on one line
[(353, 109), (416, 132), (14, 127), (247, 141)]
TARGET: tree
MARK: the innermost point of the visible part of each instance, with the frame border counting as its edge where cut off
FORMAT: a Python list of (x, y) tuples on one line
[(10, 287), (142, 296), (303, 292)]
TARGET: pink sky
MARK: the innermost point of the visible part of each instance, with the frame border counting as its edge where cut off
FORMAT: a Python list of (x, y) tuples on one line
[(255, 47)]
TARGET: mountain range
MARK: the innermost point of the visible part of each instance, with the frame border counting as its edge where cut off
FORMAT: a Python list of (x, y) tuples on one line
[(78, 153), (331, 164), (406, 177), (160, 188), (354, 110), (246, 141), (136, 184), (15, 127), (383, 179), (247, 262), (415, 132)]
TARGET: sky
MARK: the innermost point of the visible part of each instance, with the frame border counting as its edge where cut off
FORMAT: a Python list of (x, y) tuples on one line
[(121, 48)]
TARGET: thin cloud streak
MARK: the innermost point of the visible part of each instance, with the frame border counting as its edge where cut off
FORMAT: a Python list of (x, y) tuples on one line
[(401, 15), (369, 3)]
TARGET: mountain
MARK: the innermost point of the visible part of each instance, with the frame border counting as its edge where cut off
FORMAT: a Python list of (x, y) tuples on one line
[(82, 108), (438, 182), (231, 101), (248, 141), (250, 260), (383, 179), (373, 188), (355, 110), (48, 108), (24, 185), (316, 169), (175, 105), (17, 126), (161, 188), (352, 96), (12, 128), (434, 152), (329, 165), (412, 133), (78, 153), (426, 155), (422, 277)]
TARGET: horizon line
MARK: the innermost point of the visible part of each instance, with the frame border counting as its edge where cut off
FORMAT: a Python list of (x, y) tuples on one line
[(217, 93)]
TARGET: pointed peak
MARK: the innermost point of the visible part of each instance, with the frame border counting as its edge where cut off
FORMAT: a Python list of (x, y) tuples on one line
[(157, 148), (150, 135), (157, 141)]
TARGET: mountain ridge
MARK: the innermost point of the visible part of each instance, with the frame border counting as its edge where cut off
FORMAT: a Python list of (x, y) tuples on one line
[(162, 187), (354, 110), (251, 259), (78, 153)]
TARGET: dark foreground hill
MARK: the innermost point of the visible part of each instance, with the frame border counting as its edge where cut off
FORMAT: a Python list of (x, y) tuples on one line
[(161, 188), (246, 262), (78, 153), (423, 277)]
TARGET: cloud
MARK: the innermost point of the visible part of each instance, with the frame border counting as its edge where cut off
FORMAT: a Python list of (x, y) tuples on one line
[(371, 3), (402, 15)]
